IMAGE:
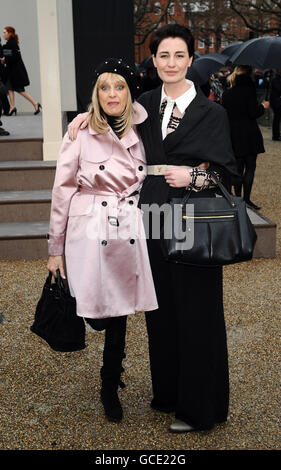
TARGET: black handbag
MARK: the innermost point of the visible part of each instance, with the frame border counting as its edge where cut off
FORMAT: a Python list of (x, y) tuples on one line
[(209, 231), (55, 317)]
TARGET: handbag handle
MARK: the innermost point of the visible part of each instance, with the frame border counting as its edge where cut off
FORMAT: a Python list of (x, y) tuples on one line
[(221, 187), (61, 283)]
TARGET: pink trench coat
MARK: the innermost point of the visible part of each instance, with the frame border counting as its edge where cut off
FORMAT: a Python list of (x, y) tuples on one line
[(96, 223)]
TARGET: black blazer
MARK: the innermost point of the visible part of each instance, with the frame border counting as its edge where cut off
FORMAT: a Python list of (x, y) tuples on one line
[(242, 108), (202, 136), (16, 70)]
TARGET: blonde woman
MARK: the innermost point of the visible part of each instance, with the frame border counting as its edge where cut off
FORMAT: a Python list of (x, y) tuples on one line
[(96, 224)]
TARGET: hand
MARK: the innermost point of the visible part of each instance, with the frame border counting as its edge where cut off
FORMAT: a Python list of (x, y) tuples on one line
[(80, 122), (265, 104), (177, 177), (2, 60), (203, 166), (54, 263)]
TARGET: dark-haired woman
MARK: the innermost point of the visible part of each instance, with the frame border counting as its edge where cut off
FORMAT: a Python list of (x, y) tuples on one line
[(17, 77)]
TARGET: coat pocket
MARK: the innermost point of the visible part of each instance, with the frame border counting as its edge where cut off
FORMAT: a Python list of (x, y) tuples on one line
[(81, 204)]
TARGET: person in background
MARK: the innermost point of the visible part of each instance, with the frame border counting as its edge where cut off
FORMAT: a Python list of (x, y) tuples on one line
[(95, 221), (185, 136), (17, 77), (4, 103), (275, 103), (240, 102), (216, 89)]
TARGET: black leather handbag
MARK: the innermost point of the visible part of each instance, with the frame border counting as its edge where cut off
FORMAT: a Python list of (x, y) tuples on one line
[(55, 317), (210, 231)]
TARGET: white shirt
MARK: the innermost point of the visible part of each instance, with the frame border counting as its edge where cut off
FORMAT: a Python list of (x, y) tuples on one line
[(182, 103)]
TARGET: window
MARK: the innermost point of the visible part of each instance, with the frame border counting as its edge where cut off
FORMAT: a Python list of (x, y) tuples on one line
[(197, 7), (171, 9), (157, 8), (184, 6), (201, 44), (211, 41), (224, 42)]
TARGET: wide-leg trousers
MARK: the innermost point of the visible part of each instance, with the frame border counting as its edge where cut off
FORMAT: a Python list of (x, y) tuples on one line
[(187, 342)]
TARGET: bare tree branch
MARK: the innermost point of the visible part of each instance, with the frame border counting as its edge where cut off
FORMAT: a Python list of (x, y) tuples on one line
[(145, 21), (262, 16), (214, 19)]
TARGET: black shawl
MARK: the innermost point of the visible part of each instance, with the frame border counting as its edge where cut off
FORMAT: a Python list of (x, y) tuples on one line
[(202, 136)]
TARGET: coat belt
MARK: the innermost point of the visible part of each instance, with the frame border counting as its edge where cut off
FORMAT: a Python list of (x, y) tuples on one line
[(158, 170)]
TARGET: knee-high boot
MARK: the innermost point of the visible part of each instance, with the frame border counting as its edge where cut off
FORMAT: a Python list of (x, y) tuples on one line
[(111, 370)]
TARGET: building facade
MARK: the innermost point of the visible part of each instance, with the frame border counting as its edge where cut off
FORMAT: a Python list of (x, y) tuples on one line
[(212, 22)]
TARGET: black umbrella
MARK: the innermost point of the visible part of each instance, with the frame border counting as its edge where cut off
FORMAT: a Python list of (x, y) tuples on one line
[(203, 67), (147, 63), (197, 55), (231, 48), (262, 53)]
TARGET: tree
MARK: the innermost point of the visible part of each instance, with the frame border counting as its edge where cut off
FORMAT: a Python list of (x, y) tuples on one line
[(148, 15), (260, 16), (212, 21)]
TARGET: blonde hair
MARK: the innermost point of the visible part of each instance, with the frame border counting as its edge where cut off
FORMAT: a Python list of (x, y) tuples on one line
[(98, 120), (239, 70)]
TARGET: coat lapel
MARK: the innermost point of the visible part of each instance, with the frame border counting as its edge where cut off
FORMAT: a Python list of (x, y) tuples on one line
[(154, 114), (192, 116), (153, 128)]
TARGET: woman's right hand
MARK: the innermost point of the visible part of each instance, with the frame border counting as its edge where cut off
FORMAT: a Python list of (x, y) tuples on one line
[(79, 122), (54, 263), (265, 104)]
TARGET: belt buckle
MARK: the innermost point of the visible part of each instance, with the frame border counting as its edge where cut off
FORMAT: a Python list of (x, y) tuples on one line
[(113, 221)]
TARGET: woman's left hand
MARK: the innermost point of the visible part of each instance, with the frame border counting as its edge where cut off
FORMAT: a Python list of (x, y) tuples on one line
[(177, 177)]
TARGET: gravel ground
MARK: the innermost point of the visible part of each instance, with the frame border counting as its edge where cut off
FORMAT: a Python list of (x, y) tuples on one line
[(50, 400)]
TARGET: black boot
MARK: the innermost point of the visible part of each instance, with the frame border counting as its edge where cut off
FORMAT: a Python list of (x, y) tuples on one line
[(110, 400), (112, 368)]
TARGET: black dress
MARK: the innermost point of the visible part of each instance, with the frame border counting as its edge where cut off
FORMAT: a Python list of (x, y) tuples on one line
[(17, 77), (187, 338)]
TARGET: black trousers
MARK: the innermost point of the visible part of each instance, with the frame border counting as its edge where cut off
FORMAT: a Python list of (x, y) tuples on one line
[(246, 167), (276, 123), (187, 342)]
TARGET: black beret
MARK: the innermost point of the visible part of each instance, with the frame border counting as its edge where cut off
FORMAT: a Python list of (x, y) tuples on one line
[(119, 67)]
